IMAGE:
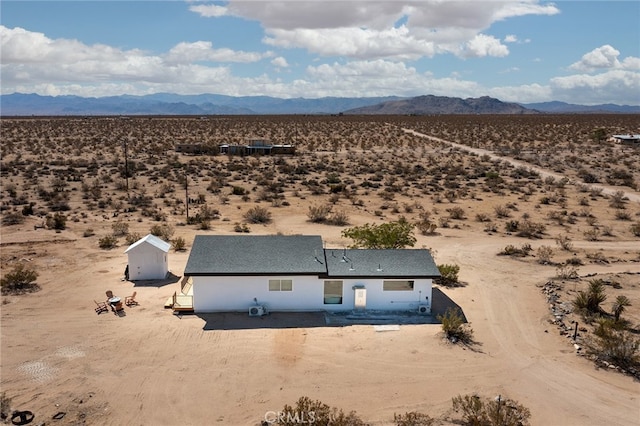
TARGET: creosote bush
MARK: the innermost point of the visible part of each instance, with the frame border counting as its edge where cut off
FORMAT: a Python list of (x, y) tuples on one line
[(498, 411), (258, 215), (108, 242), (179, 244), (308, 411), (448, 275), (21, 279), (454, 326)]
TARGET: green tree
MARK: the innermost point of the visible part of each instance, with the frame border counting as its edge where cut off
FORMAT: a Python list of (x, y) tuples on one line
[(391, 235)]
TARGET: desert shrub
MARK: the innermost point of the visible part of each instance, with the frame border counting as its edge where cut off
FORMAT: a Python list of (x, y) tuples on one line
[(5, 406), (575, 261), (238, 190), (312, 412), (163, 231), (89, 232), (413, 418), (531, 229), (318, 214), (179, 244), (391, 235), (502, 211), (120, 228), (448, 275), (241, 227), (511, 226), (21, 279), (588, 302), (622, 215), (424, 224), (454, 326), (566, 272), (58, 221), (544, 254), (491, 412), (591, 234), (564, 242), (132, 237), (511, 250), (12, 218), (258, 215), (483, 217), (613, 345), (457, 213), (635, 229), (339, 218), (108, 242), (617, 200)]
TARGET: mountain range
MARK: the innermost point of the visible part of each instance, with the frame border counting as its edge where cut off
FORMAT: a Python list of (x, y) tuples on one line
[(18, 104)]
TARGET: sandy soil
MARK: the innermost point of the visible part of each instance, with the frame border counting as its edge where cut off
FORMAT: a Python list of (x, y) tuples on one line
[(151, 367)]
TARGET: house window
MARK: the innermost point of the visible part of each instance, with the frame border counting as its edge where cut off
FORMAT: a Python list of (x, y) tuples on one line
[(333, 292), (397, 285), (280, 285)]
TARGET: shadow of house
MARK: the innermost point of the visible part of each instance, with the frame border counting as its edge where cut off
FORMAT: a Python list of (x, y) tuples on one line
[(440, 303), (171, 278), (275, 320)]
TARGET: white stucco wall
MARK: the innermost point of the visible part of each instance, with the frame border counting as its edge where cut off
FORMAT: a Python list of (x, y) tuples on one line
[(147, 262), (219, 294)]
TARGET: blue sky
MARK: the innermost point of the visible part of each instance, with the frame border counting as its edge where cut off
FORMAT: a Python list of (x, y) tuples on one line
[(584, 52)]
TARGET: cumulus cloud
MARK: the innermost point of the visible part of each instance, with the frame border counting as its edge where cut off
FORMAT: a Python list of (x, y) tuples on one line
[(209, 10), (613, 86), (32, 62), (204, 51), (369, 30), (280, 62), (603, 58)]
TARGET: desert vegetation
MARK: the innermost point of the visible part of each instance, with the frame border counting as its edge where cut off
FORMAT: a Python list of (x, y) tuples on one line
[(358, 180)]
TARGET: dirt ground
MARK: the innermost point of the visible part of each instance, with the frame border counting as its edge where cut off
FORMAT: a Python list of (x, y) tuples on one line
[(153, 367)]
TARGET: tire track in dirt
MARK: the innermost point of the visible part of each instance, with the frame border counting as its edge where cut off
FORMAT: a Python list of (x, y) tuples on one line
[(606, 189)]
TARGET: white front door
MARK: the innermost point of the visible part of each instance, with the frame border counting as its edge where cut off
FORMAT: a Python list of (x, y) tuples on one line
[(360, 297)]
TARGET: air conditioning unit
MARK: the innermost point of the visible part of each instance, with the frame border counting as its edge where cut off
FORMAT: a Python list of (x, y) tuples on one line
[(257, 311), (424, 310)]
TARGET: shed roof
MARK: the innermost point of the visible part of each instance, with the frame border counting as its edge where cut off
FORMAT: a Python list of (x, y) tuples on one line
[(153, 240), (256, 255), (388, 263)]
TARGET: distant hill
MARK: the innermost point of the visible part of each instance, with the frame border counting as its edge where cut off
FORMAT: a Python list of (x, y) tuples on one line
[(430, 104), (211, 104), (172, 104), (563, 107)]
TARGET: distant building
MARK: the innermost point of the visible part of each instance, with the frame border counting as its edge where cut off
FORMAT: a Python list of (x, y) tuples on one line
[(197, 149), (633, 140), (257, 146)]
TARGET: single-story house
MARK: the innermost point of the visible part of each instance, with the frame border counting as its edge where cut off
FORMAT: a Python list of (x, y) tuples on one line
[(296, 273), (633, 140), (147, 259)]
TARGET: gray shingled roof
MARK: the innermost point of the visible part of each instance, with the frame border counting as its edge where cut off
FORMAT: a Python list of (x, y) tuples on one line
[(256, 255), (397, 263)]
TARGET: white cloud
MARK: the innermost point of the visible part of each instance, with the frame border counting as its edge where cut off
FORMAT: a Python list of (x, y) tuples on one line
[(605, 58), (614, 86), (483, 45), (280, 62), (204, 51), (368, 29), (209, 10), (510, 38)]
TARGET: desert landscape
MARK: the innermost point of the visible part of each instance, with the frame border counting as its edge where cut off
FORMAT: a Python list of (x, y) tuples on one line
[(532, 208)]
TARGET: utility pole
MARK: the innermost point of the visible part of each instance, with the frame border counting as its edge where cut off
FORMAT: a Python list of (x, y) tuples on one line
[(126, 168), (186, 192)]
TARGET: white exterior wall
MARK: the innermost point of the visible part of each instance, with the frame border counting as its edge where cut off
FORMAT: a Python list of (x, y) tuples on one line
[(147, 262), (219, 294)]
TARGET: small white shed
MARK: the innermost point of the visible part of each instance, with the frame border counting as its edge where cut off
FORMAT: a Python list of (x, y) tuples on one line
[(147, 259)]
